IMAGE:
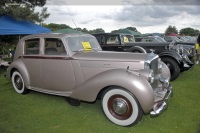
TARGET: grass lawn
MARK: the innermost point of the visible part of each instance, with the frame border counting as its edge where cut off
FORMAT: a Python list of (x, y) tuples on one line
[(41, 113)]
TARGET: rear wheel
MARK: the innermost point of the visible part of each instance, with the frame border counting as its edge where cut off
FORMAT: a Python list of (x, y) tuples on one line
[(173, 67), (121, 107), (18, 83)]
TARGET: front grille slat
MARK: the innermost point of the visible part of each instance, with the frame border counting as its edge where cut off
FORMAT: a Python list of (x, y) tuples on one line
[(154, 67)]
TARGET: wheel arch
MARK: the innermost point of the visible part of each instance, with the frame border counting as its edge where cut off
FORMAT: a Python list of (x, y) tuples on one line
[(134, 84), (19, 66), (173, 55), (137, 48)]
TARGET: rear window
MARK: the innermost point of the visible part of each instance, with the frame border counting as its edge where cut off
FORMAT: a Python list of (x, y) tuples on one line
[(32, 46)]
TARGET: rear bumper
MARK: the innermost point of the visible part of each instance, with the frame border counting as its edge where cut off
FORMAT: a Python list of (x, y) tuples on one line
[(161, 106)]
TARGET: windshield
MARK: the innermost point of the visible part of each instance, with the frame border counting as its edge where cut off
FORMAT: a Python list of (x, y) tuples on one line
[(159, 39), (127, 39), (176, 39), (83, 43)]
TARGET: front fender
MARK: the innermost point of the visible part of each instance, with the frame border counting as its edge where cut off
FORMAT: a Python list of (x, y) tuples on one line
[(19, 66), (135, 84), (173, 55)]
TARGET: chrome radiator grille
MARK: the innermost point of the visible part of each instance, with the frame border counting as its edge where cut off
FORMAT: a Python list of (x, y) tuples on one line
[(154, 67)]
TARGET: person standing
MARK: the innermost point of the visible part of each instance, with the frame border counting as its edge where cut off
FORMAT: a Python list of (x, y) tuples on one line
[(198, 49)]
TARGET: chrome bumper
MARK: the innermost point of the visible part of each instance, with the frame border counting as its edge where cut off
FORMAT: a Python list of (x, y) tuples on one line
[(161, 106)]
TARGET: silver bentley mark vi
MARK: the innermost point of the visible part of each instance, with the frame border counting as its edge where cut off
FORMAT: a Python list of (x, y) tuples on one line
[(74, 66)]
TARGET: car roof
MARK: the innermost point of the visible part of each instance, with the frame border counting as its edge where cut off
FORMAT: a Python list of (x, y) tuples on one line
[(53, 35), (111, 34)]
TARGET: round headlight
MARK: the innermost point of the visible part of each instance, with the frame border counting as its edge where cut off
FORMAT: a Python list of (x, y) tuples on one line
[(151, 76)]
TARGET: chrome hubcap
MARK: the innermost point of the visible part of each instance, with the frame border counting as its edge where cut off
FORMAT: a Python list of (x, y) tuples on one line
[(18, 82), (120, 106)]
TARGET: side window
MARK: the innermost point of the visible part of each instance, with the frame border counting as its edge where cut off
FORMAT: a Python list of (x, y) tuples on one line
[(54, 46), (31, 46), (112, 40)]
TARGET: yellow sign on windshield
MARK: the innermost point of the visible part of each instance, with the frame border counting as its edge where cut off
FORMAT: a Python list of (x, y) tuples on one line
[(126, 39), (86, 46)]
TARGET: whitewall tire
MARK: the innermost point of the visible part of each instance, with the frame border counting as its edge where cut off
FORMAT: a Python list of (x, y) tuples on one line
[(18, 83), (121, 107)]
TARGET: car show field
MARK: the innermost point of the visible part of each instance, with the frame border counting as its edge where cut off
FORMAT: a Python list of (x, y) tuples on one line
[(99, 67), (37, 112)]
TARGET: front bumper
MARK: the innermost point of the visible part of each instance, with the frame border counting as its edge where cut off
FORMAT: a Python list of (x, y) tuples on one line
[(161, 106)]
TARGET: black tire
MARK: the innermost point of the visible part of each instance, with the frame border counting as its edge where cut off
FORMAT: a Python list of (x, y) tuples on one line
[(73, 102), (121, 107), (173, 67), (18, 83)]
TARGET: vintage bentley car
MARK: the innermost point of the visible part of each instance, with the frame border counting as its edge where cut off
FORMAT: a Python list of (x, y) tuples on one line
[(74, 66), (174, 56)]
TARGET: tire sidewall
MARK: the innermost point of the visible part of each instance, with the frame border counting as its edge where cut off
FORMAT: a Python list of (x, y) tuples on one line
[(16, 73), (175, 67), (134, 116)]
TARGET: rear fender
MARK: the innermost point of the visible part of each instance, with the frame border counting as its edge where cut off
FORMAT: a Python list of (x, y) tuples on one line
[(19, 66), (135, 84), (137, 48)]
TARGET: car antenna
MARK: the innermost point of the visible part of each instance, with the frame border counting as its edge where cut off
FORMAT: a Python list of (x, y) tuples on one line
[(76, 27)]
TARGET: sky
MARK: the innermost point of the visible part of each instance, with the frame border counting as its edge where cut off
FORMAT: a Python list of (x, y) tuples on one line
[(148, 16)]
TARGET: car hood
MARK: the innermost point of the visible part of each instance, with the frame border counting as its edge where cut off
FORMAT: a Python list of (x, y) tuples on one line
[(110, 56)]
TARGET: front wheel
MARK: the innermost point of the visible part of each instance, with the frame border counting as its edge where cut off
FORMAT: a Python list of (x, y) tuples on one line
[(173, 67), (121, 107), (18, 83)]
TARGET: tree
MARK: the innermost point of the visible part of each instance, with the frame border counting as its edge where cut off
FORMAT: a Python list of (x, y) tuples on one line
[(54, 27), (98, 30), (24, 10), (170, 30), (132, 28), (129, 28), (189, 32)]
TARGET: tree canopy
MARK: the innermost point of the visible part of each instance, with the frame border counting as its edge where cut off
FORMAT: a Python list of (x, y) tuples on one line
[(129, 28), (170, 30), (189, 32), (24, 10), (54, 26)]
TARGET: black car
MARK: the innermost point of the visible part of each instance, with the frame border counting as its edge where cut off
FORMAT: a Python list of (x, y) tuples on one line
[(172, 55)]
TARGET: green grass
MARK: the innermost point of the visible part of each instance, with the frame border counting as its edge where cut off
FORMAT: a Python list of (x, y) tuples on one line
[(42, 113)]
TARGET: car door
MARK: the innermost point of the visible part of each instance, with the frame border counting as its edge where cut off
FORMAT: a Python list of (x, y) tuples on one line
[(57, 71), (31, 59), (111, 43)]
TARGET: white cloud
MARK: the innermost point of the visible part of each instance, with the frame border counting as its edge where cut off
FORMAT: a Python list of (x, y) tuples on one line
[(146, 18)]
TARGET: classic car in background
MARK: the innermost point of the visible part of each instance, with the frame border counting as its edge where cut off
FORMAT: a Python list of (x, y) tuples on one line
[(149, 39), (169, 53), (182, 48), (74, 66), (186, 42), (188, 39)]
